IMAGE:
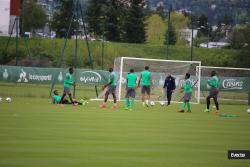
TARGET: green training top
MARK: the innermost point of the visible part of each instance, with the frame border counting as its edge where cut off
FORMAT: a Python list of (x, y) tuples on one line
[(131, 80), (113, 79), (214, 82), (57, 98), (68, 82), (145, 78), (187, 86)]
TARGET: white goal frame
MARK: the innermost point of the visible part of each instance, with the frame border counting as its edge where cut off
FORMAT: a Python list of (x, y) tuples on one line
[(225, 68), (198, 73)]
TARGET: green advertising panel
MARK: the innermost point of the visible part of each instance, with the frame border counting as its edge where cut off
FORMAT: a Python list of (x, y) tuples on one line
[(18, 74), (48, 75)]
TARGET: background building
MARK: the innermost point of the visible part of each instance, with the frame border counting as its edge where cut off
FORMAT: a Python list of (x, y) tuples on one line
[(4, 17)]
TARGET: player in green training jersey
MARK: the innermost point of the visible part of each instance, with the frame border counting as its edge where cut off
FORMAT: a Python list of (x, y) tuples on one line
[(111, 88), (145, 81), (130, 89), (56, 99), (213, 83), (187, 87), (68, 83)]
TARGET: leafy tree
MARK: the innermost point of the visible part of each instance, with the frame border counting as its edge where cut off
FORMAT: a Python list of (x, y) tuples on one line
[(203, 25), (179, 22), (243, 57), (96, 15), (114, 20), (172, 36), (237, 37), (134, 24), (226, 19), (33, 16), (160, 11), (156, 29), (62, 18)]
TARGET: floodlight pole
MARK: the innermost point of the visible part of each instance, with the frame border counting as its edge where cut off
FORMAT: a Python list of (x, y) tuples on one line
[(17, 22), (192, 37), (168, 39), (15, 25), (103, 51), (86, 38), (76, 46)]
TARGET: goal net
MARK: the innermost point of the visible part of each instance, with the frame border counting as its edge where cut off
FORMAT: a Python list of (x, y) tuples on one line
[(234, 84), (159, 70)]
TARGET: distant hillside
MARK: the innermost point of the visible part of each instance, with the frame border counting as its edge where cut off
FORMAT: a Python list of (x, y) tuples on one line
[(216, 10)]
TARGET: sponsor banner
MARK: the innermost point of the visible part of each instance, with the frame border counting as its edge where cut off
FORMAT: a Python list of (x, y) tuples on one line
[(17, 74), (92, 77), (229, 83)]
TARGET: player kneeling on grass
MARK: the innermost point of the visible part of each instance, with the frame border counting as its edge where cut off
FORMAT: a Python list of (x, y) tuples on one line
[(145, 81), (187, 87), (130, 89), (213, 83), (56, 99), (68, 83), (111, 89)]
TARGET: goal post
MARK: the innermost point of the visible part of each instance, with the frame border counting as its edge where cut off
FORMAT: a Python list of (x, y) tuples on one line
[(159, 69), (234, 84)]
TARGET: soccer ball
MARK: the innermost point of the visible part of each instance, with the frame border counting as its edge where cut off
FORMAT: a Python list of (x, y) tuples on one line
[(152, 103), (1, 99), (248, 111), (162, 103), (8, 99)]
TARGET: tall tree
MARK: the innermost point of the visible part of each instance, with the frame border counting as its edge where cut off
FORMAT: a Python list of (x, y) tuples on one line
[(95, 16), (160, 11), (114, 19), (172, 36), (134, 24), (62, 18), (33, 16), (242, 59), (156, 29)]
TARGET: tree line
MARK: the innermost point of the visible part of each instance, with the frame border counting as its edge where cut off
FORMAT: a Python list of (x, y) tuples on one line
[(115, 20)]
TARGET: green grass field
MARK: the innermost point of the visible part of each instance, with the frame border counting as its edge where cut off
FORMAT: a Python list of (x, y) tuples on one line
[(35, 133)]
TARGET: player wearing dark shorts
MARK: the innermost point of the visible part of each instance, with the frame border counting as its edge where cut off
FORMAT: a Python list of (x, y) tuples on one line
[(145, 81), (68, 83), (169, 87), (213, 83), (56, 99), (187, 87), (111, 88), (130, 89)]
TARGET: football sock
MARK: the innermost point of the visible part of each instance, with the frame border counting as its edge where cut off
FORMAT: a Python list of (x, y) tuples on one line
[(188, 106), (127, 102), (183, 105), (132, 103)]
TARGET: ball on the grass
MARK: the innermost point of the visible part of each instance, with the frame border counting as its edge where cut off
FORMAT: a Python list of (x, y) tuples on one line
[(162, 103), (1, 99), (152, 103), (248, 111), (8, 99)]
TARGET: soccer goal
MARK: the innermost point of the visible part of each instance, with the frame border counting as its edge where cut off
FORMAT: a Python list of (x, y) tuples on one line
[(234, 84), (159, 69)]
